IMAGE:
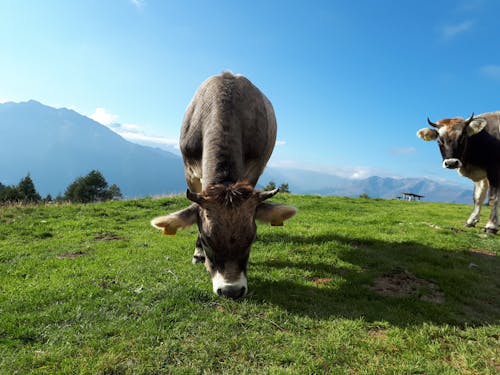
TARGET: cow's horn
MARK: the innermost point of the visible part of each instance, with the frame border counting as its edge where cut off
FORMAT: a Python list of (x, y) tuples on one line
[(469, 119), (194, 197), (263, 195), (433, 124)]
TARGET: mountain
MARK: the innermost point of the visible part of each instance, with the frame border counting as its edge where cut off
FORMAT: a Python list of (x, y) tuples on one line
[(310, 182), (55, 146)]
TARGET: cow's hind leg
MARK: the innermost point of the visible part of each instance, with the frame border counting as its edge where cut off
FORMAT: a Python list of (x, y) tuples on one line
[(492, 225), (480, 189), (199, 254)]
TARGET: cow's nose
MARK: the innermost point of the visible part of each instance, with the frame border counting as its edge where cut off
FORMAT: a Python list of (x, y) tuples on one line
[(232, 292), (451, 163)]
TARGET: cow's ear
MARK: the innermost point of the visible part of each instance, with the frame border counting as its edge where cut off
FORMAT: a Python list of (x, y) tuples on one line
[(274, 214), (177, 220), (475, 126), (427, 134)]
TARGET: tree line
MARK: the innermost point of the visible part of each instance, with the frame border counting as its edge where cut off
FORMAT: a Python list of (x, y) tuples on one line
[(87, 189)]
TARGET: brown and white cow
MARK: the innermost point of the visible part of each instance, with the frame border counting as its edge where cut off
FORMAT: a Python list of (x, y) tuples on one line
[(472, 147), (228, 134)]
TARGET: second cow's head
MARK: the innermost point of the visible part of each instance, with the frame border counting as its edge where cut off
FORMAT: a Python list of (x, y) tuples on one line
[(226, 224), (452, 136)]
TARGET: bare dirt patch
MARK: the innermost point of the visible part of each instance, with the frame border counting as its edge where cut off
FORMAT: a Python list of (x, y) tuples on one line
[(403, 284), (453, 229), (74, 255), (321, 280), (108, 236)]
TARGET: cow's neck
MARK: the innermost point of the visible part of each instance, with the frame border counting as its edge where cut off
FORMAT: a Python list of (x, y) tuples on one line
[(482, 150), (222, 160)]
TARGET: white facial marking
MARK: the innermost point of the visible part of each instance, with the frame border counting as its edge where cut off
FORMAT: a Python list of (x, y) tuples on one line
[(219, 282), (451, 162)]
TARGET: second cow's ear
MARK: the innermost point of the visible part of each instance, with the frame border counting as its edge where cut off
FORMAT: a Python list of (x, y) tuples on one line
[(427, 134), (475, 126)]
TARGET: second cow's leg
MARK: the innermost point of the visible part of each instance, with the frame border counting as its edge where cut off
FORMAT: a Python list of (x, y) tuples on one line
[(480, 189), (492, 225)]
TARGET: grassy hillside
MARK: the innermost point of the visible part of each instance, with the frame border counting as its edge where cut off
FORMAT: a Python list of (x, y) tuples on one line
[(347, 286)]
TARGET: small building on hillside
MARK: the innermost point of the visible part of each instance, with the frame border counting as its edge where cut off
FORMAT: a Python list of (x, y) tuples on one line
[(411, 196)]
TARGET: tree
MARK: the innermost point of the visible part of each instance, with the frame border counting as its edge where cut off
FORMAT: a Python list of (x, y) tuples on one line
[(9, 194), (114, 192), (270, 186), (24, 192), (284, 188), (91, 188), (27, 191)]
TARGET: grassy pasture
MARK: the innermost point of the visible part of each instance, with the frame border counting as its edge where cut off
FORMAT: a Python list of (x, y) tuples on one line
[(347, 286)]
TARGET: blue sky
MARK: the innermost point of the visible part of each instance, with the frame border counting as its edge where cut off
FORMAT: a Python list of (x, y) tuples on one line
[(351, 81)]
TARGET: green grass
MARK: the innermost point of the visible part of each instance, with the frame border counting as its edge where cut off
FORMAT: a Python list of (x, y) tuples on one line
[(93, 289)]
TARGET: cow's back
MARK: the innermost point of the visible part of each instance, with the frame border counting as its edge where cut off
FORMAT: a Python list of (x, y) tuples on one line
[(228, 132), (493, 126)]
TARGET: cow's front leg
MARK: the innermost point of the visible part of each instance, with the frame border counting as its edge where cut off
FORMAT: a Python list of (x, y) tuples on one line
[(199, 254), (480, 189), (492, 225)]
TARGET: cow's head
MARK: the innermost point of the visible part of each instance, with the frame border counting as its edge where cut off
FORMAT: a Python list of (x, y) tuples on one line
[(452, 136), (226, 224)]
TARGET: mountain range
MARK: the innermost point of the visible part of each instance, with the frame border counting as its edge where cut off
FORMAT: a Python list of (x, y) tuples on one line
[(57, 145)]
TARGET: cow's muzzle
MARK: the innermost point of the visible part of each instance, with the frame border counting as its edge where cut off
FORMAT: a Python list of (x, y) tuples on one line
[(452, 163), (230, 289), (233, 293)]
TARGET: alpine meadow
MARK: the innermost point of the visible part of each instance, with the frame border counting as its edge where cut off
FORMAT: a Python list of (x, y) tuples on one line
[(252, 187), (349, 285)]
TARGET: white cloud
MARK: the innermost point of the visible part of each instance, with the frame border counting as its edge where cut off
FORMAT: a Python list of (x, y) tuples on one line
[(133, 132), (139, 4), (280, 143), (451, 31), (491, 71), (102, 116), (139, 137), (352, 172)]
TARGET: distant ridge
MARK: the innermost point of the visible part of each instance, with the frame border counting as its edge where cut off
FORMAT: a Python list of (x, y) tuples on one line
[(58, 145), (310, 182)]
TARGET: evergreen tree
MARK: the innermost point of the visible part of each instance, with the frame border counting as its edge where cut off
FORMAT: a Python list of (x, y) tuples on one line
[(23, 192), (27, 191)]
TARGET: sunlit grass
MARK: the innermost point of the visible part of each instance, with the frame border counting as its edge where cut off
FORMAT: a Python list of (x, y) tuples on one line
[(95, 289)]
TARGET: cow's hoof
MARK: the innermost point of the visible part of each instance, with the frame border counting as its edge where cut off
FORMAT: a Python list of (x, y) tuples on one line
[(198, 259), (469, 225), (491, 230)]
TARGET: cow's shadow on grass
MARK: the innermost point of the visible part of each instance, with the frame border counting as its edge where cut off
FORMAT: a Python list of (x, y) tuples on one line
[(340, 284)]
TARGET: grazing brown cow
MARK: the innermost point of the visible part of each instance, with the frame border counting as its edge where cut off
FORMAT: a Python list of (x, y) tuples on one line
[(472, 147), (227, 137)]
